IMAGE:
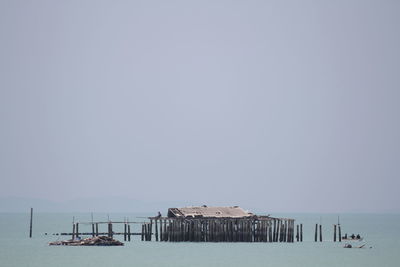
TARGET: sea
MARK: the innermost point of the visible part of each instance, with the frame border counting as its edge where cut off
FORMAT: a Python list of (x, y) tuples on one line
[(380, 232)]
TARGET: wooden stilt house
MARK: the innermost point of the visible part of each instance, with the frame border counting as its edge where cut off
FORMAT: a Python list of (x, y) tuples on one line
[(217, 224)]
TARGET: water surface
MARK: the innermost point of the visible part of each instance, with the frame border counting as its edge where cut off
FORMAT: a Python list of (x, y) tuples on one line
[(381, 232)]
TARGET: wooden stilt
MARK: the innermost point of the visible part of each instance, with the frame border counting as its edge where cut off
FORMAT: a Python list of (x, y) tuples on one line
[(30, 224), (301, 232), (334, 233), (156, 228), (125, 231), (110, 230), (73, 231), (316, 232), (161, 230), (320, 233), (169, 229)]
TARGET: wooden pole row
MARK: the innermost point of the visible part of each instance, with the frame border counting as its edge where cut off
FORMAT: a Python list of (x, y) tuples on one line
[(95, 231), (316, 233), (339, 230), (219, 230)]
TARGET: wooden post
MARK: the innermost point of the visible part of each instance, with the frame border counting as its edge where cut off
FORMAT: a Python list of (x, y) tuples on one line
[(129, 232), (340, 234), (334, 233), (30, 224), (293, 231), (165, 231), (297, 233), (285, 232), (316, 232), (93, 234), (169, 229), (270, 237), (161, 230), (150, 231), (97, 229), (110, 231), (73, 231), (146, 232), (125, 230), (301, 232), (279, 231), (142, 232), (320, 233), (156, 227), (77, 230)]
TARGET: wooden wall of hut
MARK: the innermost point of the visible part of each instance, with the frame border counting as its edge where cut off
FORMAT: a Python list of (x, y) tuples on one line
[(219, 230)]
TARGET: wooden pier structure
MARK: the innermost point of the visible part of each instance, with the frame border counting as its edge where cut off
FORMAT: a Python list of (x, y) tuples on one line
[(202, 224), (218, 224)]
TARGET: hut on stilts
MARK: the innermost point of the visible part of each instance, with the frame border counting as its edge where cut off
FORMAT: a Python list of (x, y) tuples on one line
[(217, 224)]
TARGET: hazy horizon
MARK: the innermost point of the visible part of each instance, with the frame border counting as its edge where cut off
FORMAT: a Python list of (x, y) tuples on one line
[(270, 105)]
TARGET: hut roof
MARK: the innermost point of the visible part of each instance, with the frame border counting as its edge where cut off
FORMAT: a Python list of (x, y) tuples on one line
[(209, 212)]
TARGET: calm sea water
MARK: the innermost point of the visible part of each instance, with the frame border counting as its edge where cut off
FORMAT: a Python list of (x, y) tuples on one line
[(381, 232)]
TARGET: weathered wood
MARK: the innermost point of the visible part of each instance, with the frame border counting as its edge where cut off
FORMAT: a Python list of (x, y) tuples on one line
[(169, 230), (279, 231), (301, 232), (297, 233), (97, 229), (270, 232), (316, 233), (125, 231), (73, 231), (151, 230), (77, 230), (156, 228), (284, 225), (30, 224), (161, 230), (93, 233), (340, 234), (129, 233), (221, 230), (291, 231), (334, 233), (320, 233)]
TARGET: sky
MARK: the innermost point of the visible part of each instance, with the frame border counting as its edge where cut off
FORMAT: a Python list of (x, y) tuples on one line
[(289, 106)]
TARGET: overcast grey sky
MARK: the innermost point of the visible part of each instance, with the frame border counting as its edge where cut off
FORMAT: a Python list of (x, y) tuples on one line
[(271, 105)]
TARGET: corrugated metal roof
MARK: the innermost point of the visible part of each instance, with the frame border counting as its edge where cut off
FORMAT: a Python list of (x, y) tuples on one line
[(209, 212)]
